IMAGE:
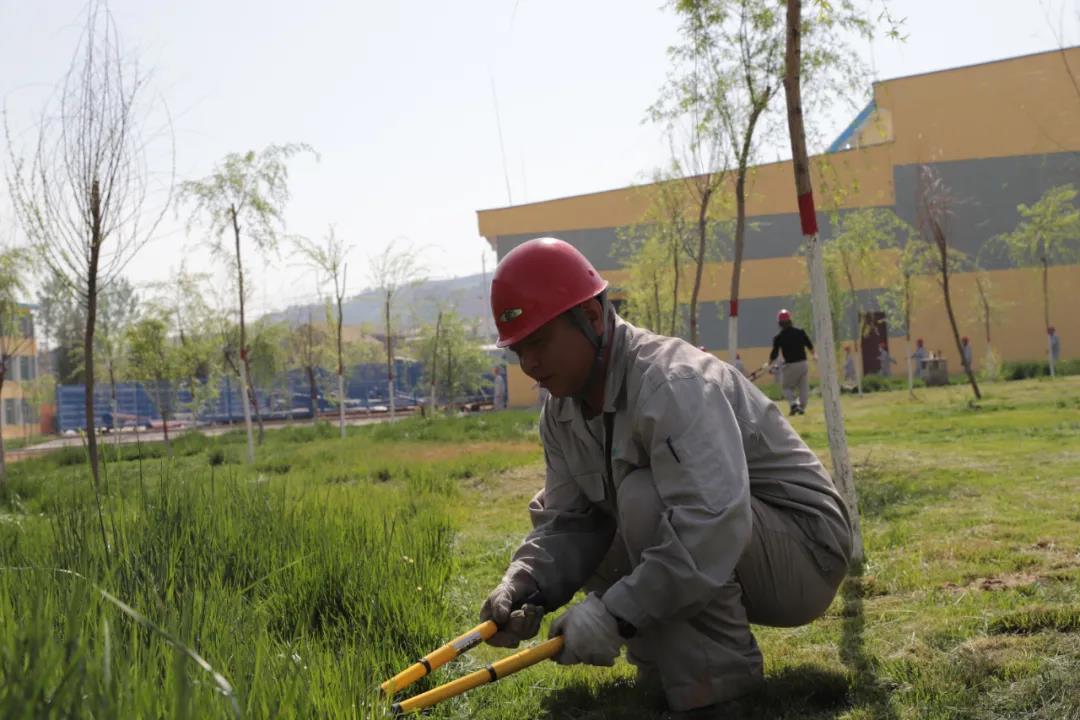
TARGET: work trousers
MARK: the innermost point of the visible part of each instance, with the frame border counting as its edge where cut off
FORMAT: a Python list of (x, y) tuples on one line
[(795, 377), (783, 579)]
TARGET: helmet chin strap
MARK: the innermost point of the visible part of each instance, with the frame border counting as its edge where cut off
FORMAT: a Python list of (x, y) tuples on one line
[(599, 343)]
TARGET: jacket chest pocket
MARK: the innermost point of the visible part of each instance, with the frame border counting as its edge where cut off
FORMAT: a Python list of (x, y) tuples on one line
[(592, 485)]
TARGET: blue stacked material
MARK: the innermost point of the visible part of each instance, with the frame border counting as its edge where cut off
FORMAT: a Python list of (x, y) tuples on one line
[(289, 396)]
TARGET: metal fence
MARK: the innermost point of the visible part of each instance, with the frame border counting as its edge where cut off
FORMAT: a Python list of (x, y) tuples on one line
[(289, 395)]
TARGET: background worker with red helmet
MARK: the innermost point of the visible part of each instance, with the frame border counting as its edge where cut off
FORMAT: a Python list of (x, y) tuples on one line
[(793, 343), (676, 495)]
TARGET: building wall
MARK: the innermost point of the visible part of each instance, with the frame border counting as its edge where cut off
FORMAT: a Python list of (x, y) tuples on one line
[(999, 134), (17, 417)]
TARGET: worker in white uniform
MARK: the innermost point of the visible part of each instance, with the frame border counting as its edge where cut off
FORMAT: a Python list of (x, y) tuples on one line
[(677, 496)]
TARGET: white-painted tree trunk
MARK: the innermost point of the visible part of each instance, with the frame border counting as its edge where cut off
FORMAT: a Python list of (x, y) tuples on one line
[(910, 368), (819, 293), (830, 394), (1050, 352), (393, 399), (341, 403), (733, 338), (245, 401), (859, 361)]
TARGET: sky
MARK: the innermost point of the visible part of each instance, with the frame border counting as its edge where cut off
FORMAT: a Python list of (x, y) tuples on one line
[(423, 113)]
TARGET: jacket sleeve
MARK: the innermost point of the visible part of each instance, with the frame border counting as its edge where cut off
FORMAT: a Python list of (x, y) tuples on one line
[(698, 464), (775, 348), (570, 534), (806, 340)]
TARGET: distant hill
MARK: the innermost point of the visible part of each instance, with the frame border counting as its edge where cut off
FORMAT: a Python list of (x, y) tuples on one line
[(414, 305)]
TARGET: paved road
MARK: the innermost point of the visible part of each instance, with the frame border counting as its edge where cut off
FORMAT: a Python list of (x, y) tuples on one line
[(129, 436)]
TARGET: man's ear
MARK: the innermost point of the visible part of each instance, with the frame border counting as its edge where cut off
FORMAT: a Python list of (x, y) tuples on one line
[(594, 311)]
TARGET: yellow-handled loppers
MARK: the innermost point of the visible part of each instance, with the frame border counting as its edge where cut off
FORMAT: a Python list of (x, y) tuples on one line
[(495, 671), (439, 657)]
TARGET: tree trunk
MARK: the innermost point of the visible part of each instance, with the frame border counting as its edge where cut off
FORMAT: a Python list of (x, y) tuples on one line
[(736, 265), (910, 367), (243, 342), (675, 289), (943, 250), (856, 328), (819, 293), (1046, 313), (390, 362), (313, 391), (340, 364), (657, 320), (907, 337), (115, 405), (450, 377), (740, 232), (88, 370), (96, 240), (703, 229), (341, 403), (3, 461), (164, 413), (253, 398), (435, 361)]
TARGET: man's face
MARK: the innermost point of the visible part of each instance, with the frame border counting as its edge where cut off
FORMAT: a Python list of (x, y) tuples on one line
[(557, 356)]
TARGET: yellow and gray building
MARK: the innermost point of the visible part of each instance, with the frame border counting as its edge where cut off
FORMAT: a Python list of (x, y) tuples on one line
[(998, 134), (18, 412)]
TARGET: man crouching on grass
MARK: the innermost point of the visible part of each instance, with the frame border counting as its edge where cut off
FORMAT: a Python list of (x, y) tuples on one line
[(677, 495)]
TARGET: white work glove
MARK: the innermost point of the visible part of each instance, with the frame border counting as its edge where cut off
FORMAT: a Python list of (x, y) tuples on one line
[(590, 634), (514, 625)]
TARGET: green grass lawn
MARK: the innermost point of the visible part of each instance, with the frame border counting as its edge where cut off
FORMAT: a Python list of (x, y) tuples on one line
[(305, 579)]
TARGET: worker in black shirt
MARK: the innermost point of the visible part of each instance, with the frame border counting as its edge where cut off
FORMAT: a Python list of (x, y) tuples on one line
[(793, 343)]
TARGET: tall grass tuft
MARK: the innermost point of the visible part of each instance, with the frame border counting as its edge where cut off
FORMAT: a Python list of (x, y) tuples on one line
[(213, 591)]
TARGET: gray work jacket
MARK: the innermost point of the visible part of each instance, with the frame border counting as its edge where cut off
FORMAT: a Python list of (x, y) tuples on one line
[(711, 439)]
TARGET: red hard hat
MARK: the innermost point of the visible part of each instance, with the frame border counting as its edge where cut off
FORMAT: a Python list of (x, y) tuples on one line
[(783, 316), (964, 339), (536, 282)]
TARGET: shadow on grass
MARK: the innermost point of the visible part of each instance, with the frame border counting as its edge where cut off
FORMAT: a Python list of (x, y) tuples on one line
[(808, 692), (611, 701), (868, 691)]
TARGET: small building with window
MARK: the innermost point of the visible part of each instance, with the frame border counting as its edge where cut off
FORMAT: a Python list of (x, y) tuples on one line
[(19, 412)]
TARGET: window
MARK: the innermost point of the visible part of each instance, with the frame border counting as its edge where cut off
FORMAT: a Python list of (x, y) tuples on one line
[(26, 325), (27, 369), (9, 412), (13, 369), (29, 414)]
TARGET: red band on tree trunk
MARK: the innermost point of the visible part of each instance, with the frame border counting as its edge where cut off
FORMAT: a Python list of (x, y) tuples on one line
[(734, 310), (807, 216)]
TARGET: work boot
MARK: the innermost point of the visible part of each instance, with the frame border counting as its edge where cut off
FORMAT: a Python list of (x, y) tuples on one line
[(794, 409), (801, 410)]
